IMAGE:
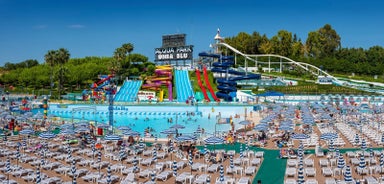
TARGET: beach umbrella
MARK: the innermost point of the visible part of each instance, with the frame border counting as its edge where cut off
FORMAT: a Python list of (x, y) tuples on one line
[(169, 131), (131, 133), (73, 170), (340, 162), (135, 162), (231, 165), (300, 150), (47, 135), (93, 151), (174, 167), (198, 130), (141, 144), (153, 176), (300, 136), (69, 152), (241, 151), (183, 138), (124, 128), (24, 143), (348, 174), (331, 147), (5, 139), (112, 137), (246, 147), (82, 129), (381, 161), (109, 173), (363, 145), (221, 174), (177, 126), (66, 126), (382, 138), (42, 159), (154, 154), (208, 180), (8, 166), (38, 177), (362, 162), (67, 132), (261, 127), (18, 154), (300, 172), (99, 156), (328, 136), (122, 153), (190, 159), (214, 140), (357, 139), (103, 125), (26, 132)]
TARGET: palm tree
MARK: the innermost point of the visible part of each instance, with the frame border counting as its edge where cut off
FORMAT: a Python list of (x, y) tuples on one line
[(62, 58), (50, 59), (128, 47)]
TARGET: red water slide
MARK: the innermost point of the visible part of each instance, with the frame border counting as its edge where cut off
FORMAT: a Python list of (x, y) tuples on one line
[(201, 85), (209, 84)]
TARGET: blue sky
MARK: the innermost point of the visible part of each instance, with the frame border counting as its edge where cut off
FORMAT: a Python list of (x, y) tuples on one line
[(29, 28)]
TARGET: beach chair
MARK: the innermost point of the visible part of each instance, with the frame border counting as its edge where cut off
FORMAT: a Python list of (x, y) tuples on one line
[(163, 176), (290, 181), (250, 170), (290, 172), (131, 178), (213, 168), (202, 179), (147, 162), (243, 180)]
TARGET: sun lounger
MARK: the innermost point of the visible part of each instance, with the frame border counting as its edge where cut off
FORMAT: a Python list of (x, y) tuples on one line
[(213, 168), (201, 179), (250, 170), (146, 162), (327, 171), (180, 165), (330, 181), (22, 172), (256, 161), (163, 176), (244, 180), (145, 173), (114, 178), (311, 181), (183, 177), (310, 171), (290, 181), (290, 172)]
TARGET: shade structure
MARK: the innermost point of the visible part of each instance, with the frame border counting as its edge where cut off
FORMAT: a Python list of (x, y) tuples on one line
[(300, 172), (103, 125), (348, 174), (328, 136), (38, 176), (185, 138), (261, 127), (154, 154), (174, 168), (112, 137), (362, 163), (123, 128), (300, 136), (245, 122), (82, 129), (214, 140), (363, 145), (109, 174), (47, 135), (357, 139), (221, 173), (131, 133), (66, 126), (177, 126), (169, 131), (27, 132), (67, 132), (340, 162)]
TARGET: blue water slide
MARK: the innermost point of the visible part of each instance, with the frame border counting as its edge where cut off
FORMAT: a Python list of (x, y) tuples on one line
[(227, 85)]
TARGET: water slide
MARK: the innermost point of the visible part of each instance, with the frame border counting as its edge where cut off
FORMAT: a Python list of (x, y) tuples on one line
[(128, 92), (183, 86), (163, 76), (201, 85), (227, 85), (209, 84)]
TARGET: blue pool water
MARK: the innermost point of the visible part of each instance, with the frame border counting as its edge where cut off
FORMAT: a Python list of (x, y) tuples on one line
[(155, 117)]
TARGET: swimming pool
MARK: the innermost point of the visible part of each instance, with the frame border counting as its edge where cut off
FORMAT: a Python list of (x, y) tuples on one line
[(156, 117)]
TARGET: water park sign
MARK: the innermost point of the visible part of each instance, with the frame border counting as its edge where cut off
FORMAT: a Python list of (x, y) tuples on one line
[(174, 53)]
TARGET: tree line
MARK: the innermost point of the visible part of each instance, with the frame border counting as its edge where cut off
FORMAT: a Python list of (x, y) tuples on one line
[(63, 74), (322, 48)]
